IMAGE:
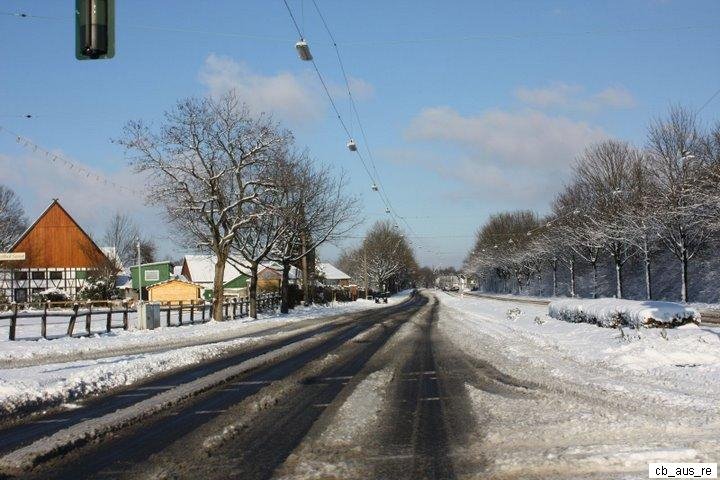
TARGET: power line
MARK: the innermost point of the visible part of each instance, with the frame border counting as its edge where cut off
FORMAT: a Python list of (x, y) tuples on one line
[(708, 101)]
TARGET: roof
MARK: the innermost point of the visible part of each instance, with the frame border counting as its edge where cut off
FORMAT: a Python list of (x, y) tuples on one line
[(331, 272), (165, 262), (173, 280), (202, 269), (53, 204)]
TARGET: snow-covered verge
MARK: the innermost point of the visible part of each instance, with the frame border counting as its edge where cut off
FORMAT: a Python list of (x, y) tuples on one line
[(613, 312), (120, 342), (603, 404)]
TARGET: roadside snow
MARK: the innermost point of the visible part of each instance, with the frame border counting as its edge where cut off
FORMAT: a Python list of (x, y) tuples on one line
[(118, 342), (611, 312), (602, 405)]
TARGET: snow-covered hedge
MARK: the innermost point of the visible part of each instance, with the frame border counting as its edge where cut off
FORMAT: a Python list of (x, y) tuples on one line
[(611, 312)]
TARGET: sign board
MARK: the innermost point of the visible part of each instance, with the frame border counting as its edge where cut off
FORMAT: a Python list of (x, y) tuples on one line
[(152, 275), (12, 257)]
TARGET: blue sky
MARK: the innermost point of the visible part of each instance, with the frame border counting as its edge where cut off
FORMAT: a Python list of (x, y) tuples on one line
[(470, 107)]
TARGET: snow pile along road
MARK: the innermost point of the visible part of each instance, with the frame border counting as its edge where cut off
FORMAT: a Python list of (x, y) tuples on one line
[(611, 312)]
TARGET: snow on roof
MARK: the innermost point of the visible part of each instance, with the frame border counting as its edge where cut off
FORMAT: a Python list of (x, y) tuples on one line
[(202, 269), (331, 272), (173, 280)]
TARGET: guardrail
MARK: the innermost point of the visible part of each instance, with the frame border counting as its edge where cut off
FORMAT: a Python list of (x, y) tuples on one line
[(707, 316), (175, 314)]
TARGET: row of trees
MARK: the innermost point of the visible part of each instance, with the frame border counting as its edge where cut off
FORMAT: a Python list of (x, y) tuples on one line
[(13, 221), (384, 260), (235, 185), (621, 203)]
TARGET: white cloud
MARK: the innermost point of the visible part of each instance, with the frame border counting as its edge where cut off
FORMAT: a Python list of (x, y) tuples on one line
[(86, 192), (290, 97), (294, 98), (573, 97), (527, 138), (507, 159)]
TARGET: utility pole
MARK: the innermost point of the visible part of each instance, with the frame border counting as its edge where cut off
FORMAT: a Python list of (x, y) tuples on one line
[(367, 281), (139, 260)]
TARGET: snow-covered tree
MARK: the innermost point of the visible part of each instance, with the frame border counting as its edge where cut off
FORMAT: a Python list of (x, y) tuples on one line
[(674, 148), (206, 163)]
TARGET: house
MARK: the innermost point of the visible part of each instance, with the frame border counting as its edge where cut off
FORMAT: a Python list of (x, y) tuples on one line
[(200, 269), (332, 276), (152, 273), (174, 291), (58, 255)]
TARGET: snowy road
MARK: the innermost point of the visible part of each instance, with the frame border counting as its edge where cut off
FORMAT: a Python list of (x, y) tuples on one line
[(435, 388)]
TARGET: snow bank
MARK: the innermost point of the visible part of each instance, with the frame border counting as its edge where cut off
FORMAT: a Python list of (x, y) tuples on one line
[(611, 312)]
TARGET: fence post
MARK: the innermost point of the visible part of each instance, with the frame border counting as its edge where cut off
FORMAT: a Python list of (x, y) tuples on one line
[(234, 302), (180, 313), (227, 306), (202, 308), (43, 324), (88, 316), (73, 317), (192, 312), (169, 311), (108, 324), (13, 321), (125, 314)]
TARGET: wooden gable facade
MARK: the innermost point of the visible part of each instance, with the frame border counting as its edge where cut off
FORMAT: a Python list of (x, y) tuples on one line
[(58, 254)]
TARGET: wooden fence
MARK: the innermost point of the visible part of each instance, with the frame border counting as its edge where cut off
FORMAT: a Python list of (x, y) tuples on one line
[(185, 313)]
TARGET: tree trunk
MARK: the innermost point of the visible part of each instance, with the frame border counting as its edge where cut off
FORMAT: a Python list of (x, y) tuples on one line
[(618, 278), (252, 291), (285, 288), (684, 286), (648, 284), (218, 289), (554, 278), (572, 277), (594, 288)]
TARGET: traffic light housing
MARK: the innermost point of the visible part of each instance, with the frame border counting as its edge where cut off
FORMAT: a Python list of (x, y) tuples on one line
[(94, 29)]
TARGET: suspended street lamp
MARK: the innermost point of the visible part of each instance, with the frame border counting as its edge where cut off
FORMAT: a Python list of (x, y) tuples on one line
[(387, 210), (352, 146), (303, 50), (374, 187)]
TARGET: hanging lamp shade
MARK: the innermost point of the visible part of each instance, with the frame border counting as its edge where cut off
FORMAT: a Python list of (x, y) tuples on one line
[(387, 210), (352, 146), (303, 50), (374, 187)]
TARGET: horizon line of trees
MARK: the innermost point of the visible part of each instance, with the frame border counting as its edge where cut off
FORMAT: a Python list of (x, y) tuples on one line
[(622, 203)]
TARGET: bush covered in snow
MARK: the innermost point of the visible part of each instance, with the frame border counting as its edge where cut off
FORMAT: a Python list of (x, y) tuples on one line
[(51, 295), (611, 312)]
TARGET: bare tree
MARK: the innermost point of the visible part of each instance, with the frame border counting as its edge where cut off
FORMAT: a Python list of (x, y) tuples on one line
[(206, 163), (122, 234), (674, 146), (12, 218), (314, 209), (386, 254)]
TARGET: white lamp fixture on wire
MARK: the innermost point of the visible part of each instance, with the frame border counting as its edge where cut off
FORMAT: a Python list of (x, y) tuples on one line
[(374, 187), (303, 50), (352, 146)]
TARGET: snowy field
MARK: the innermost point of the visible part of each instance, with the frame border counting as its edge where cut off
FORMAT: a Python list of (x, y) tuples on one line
[(53, 383), (603, 406)]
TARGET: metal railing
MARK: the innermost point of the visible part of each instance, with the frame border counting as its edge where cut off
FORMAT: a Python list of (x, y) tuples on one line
[(175, 314)]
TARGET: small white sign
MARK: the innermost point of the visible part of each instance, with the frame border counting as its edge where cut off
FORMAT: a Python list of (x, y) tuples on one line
[(151, 275), (682, 470), (12, 257)]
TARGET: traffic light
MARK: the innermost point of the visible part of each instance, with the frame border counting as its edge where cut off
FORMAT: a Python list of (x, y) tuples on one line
[(94, 29)]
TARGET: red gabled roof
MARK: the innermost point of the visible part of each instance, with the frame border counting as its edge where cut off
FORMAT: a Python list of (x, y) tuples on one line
[(56, 240)]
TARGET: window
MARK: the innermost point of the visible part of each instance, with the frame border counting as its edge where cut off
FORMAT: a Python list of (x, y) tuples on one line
[(56, 275), (20, 275), (38, 275), (20, 295), (151, 275), (81, 274)]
